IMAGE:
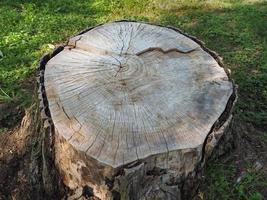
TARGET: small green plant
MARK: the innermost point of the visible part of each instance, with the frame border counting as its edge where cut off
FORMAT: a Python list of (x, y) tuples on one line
[(4, 97), (247, 188), (3, 130), (223, 183), (255, 196)]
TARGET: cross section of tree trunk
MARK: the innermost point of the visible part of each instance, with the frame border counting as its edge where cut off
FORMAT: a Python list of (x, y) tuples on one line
[(136, 108)]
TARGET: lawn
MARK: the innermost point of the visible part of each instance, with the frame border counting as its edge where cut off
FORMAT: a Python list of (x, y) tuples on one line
[(236, 29)]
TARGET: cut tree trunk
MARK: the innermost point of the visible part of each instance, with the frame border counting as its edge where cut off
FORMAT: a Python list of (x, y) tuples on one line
[(134, 110)]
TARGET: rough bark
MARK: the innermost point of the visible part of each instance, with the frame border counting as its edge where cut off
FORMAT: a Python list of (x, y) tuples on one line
[(170, 165)]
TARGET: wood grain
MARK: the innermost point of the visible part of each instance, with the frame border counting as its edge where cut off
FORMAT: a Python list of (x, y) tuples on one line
[(125, 91)]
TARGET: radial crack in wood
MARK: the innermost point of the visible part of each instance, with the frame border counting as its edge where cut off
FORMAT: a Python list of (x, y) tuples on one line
[(127, 92)]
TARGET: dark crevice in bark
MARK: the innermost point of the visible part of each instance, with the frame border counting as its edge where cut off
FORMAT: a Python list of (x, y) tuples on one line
[(163, 51), (109, 183), (156, 171), (116, 195), (88, 192), (221, 120), (52, 183), (132, 164)]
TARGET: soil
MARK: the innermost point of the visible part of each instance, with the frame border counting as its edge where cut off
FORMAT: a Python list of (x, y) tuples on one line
[(14, 163), (10, 115)]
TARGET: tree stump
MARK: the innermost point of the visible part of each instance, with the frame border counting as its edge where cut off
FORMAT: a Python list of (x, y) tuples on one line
[(134, 110)]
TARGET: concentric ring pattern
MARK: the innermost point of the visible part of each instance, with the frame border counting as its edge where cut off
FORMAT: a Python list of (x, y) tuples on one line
[(126, 90)]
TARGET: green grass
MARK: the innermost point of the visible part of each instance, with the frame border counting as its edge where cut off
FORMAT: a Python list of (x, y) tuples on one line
[(222, 183), (236, 29)]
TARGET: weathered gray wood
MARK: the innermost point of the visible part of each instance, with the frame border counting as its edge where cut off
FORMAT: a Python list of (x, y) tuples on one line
[(134, 108)]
